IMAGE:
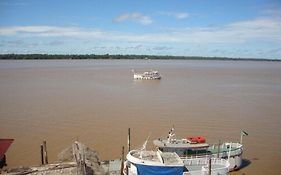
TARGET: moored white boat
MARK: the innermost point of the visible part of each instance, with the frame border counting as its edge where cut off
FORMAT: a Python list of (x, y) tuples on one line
[(142, 162), (197, 147)]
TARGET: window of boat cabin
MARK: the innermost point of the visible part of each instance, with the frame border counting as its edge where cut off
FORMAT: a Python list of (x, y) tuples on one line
[(190, 152)]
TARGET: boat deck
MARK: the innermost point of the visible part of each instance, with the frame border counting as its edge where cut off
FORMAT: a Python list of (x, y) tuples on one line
[(171, 158), (195, 166), (166, 158)]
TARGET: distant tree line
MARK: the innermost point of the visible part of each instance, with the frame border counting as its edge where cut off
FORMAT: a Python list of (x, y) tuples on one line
[(107, 56)]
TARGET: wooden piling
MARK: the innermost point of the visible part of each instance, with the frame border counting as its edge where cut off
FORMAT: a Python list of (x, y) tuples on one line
[(45, 152), (129, 139), (42, 154), (122, 161)]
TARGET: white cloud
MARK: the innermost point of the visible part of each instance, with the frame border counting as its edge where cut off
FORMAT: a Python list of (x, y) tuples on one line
[(134, 47), (260, 29), (136, 17), (177, 15), (18, 43), (49, 31), (162, 48), (181, 15), (273, 10)]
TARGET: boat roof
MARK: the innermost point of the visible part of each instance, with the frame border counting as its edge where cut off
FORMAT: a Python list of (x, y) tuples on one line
[(168, 158), (4, 145), (163, 143)]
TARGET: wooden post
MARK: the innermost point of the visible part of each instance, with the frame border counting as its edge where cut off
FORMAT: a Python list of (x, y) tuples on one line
[(219, 149), (84, 162), (210, 164), (42, 154), (3, 162), (45, 151), (122, 161), (129, 139)]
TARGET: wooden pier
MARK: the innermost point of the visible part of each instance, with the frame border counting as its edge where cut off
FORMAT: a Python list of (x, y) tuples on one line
[(74, 160)]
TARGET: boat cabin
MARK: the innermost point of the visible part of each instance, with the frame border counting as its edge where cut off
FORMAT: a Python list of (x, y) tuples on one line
[(183, 147)]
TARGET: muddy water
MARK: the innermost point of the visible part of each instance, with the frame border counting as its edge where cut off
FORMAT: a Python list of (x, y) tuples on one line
[(95, 101)]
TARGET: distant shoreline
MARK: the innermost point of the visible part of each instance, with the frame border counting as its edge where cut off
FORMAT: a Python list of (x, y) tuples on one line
[(117, 57)]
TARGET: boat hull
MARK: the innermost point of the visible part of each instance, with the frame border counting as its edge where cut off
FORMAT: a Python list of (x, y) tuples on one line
[(235, 162)]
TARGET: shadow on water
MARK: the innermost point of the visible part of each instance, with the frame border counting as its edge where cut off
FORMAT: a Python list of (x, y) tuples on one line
[(245, 163)]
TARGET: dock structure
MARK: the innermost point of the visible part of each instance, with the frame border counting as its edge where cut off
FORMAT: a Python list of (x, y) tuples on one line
[(75, 160)]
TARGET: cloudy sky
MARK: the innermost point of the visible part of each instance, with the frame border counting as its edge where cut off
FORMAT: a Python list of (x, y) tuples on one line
[(231, 28)]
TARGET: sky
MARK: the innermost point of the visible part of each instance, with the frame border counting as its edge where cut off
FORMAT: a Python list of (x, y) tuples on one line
[(223, 28)]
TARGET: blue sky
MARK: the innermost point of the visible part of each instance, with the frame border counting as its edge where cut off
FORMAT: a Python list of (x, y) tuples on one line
[(231, 28)]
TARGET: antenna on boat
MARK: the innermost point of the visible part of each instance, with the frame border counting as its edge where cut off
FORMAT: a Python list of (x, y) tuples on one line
[(144, 145), (171, 134)]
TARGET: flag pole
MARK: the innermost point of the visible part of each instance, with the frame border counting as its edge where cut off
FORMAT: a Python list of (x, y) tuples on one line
[(129, 139), (243, 133), (241, 137), (229, 151)]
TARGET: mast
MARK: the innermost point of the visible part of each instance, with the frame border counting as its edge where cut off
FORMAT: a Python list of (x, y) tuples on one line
[(144, 145), (243, 133), (229, 151), (171, 134), (129, 139)]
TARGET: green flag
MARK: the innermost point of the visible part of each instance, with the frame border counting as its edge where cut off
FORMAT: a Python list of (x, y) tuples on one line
[(244, 133)]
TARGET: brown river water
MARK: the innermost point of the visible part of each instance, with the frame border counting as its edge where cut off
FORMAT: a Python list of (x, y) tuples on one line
[(96, 101)]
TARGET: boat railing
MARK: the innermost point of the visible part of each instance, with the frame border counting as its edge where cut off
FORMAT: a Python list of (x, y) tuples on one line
[(202, 161), (236, 148), (222, 169)]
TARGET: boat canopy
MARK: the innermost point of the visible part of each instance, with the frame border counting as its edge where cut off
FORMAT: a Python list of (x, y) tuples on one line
[(159, 170), (4, 145)]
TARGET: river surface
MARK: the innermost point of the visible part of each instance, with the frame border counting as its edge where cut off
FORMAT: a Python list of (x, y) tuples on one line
[(96, 101)]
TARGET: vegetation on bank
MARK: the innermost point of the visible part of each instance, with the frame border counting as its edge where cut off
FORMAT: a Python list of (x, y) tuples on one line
[(107, 56)]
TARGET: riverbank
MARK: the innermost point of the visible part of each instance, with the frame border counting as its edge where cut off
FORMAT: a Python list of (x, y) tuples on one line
[(107, 56)]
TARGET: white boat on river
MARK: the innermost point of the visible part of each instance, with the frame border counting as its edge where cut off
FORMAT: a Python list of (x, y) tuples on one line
[(149, 75), (142, 162), (188, 148)]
